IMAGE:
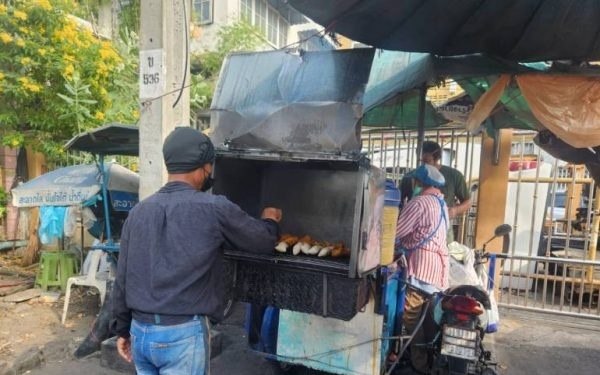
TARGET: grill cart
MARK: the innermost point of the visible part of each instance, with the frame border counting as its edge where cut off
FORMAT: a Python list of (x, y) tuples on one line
[(287, 132)]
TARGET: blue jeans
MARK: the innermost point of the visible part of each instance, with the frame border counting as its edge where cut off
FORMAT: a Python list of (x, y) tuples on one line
[(182, 349)]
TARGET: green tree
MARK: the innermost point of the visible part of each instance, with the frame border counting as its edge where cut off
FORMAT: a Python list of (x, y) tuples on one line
[(56, 77), (240, 36), (3, 202)]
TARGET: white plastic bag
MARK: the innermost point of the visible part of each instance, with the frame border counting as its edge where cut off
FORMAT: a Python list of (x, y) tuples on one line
[(461, 270), (493, 316)]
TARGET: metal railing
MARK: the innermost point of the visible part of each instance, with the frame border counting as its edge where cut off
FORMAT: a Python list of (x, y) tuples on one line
[(552, 264), (561, 286)]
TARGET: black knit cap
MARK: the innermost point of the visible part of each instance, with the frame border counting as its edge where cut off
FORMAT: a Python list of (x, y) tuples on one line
[(186, 149)]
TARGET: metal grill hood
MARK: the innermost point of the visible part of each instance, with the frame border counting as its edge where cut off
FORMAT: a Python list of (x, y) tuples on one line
[(285, 102)]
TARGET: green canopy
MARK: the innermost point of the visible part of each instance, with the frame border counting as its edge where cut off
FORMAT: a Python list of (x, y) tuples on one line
[(392, 94), (512, 113)]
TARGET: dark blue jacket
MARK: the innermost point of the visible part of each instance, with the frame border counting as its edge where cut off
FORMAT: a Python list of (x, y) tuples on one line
[(171, 258)]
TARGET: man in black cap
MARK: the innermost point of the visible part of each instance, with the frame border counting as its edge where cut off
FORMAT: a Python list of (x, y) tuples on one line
[(170, 269)]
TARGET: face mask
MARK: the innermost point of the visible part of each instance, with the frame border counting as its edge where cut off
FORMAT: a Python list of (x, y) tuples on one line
[(417, 190), (209, 181)]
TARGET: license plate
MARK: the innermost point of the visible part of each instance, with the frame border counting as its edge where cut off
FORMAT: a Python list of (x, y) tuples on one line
[(459, 342)]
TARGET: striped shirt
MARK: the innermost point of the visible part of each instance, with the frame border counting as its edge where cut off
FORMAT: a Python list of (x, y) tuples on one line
[(418, 220)]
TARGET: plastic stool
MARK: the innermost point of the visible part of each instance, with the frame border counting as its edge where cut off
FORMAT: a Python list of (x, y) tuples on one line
[(93, 279), (55, 269)]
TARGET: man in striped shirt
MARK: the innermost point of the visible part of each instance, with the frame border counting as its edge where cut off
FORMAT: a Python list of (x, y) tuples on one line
[(421, 233)]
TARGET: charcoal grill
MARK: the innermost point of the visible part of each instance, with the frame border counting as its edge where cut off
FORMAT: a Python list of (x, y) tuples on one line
[(275, 147)]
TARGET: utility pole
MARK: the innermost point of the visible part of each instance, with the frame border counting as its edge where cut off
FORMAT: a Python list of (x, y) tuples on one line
[(164, 81)]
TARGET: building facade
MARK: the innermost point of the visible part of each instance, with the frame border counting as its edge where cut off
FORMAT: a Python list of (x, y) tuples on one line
[(278, 23)]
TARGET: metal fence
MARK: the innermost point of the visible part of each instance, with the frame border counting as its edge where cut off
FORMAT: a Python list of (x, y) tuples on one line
[(551, 206), (557, 285), (394, 151)]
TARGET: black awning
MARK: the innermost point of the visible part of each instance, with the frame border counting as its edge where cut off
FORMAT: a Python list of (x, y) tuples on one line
[(519, 30), (111, 139)]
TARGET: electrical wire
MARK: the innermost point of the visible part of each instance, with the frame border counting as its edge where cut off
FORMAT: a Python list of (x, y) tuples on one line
[(187, 53), (318, 33)]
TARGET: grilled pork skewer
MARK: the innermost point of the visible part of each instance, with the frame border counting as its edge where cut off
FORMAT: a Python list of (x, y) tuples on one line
[(326, 251), (314, 250), (339, 250), (285, 242), (303, 245)]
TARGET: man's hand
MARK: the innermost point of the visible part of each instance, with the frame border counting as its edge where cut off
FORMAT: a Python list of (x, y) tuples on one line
[(272, 213), (124, 348)]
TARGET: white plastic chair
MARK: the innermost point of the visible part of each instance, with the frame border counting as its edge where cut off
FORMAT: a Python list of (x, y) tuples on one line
[(93, 278)]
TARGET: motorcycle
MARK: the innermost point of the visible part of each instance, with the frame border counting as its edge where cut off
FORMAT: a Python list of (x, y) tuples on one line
[(466, 310), (455, 321)]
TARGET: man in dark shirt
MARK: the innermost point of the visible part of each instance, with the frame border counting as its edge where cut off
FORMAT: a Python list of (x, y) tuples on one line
[(456, 193), (169, 277)]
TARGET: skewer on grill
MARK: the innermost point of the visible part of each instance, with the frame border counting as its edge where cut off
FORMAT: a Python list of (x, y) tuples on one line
[(303, 245), (315, 249), (308, 246), (325, 251), (339, 250), (285, 242)]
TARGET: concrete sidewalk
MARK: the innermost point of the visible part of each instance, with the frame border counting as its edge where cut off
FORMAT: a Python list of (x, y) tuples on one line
[(535, 343), (525, 344)]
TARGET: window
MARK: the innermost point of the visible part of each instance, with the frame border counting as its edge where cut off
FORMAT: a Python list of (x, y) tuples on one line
[(260, 16), (283, 32), (266, 19), (203, 11), (246, 10), (527, 148), (272, 26)]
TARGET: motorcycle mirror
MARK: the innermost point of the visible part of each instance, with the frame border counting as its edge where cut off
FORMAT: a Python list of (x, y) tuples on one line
[(502, 230)]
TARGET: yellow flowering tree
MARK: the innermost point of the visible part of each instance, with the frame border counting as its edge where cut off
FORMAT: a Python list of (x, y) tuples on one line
[(56, 77)]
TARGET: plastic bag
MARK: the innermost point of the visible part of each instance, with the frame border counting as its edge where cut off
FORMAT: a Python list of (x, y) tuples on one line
[(461, 262), (462, 272), (52, 220), (70, 225), (493, 316)]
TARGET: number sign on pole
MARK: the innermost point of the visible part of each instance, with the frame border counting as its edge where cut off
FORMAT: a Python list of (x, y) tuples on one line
[(152, 73)]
